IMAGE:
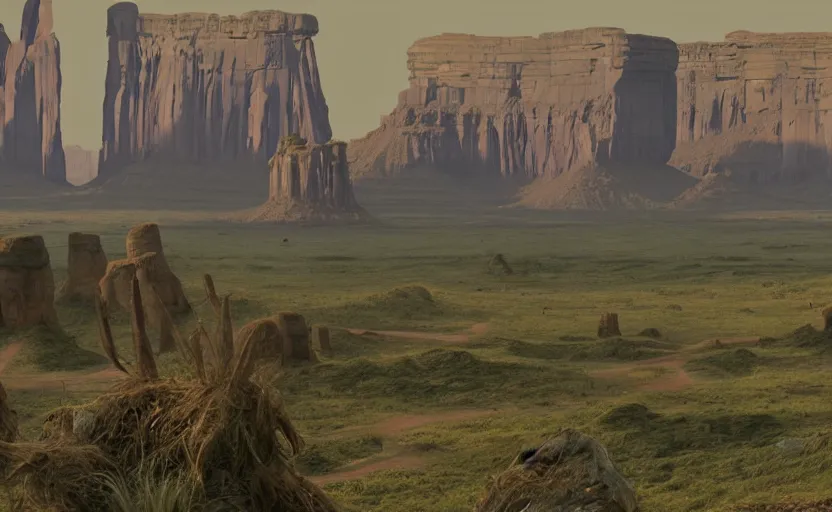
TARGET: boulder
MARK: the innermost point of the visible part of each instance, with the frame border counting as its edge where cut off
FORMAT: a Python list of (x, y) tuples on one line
[(571, 472), (27, 286)]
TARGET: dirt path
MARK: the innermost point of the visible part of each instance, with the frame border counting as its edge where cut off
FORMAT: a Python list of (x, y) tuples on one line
[(8, 353), (678, 378), (461, 337), (360, 469), (390, 428), (57, 380), (396, 425)]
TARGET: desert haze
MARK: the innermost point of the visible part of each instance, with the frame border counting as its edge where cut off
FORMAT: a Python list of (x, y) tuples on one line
[(459, 256)]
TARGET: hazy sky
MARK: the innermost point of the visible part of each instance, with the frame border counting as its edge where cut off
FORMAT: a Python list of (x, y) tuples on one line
[(362, 44)]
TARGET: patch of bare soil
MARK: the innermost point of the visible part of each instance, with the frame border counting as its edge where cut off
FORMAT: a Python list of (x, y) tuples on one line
[(362, 468), (8, 353), (66, 380)]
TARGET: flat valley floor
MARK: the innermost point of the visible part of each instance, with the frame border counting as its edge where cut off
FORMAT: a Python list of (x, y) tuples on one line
[(445, 367)]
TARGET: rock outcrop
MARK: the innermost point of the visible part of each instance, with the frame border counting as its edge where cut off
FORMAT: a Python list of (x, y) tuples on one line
[(27, 285), (757, 105), (529, 107), (309, 182), (81, 164), (86, 265), (30, 96), (145, 260), (208, 88)]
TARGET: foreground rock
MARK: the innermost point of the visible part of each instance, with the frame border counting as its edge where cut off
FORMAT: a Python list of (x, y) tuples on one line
[(309, 182), (531, 108), (86, 265), (30, 96), (207, 88), (27, 286), (569, 473)]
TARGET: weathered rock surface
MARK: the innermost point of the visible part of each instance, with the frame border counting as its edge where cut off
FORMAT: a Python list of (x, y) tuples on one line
[(86, 265), (208, 88), (30, 96), (27, 286), (529, 107), (309, 182), (756, 104), (81, 164), (145, 260)]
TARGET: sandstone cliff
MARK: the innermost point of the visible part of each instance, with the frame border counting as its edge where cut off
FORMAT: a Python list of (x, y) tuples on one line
[(30, 96), (208, 88), (756, 105), (529, 107), (309, 182), (81, 164)]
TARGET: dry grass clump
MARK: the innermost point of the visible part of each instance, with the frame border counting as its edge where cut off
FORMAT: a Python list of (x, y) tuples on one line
[(220, 439), (569, 473), (8, 418)]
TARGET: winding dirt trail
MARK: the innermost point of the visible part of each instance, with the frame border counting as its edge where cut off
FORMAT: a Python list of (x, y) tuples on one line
[(360, 469), (678, 378)]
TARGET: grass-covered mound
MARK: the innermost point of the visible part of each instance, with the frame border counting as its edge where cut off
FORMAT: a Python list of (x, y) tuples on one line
[(45, 349), (439, 376)]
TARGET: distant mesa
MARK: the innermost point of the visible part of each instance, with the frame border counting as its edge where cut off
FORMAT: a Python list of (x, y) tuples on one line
[(81, 165), (30, 97), (209, 89), (600, 119)]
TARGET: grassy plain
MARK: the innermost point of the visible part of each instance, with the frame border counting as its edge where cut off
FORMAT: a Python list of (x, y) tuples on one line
[(440, 416)]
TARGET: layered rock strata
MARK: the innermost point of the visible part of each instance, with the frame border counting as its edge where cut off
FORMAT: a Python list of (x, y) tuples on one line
[(208, 88), (757, 104), (30, 96), (529, 107)]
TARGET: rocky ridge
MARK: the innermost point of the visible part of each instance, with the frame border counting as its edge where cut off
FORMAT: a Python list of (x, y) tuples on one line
[(204, 88)]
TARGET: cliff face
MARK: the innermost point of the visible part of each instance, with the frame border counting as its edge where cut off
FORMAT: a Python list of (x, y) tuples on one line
[(758, 104), (529, 107), (201, 87), (30, 96)]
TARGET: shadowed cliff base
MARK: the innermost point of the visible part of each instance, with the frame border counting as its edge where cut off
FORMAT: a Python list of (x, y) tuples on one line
[(756, 175), (159, 184), (427, 192)]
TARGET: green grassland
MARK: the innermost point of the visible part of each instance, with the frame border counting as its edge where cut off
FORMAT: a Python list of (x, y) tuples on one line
[(705, 447)]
